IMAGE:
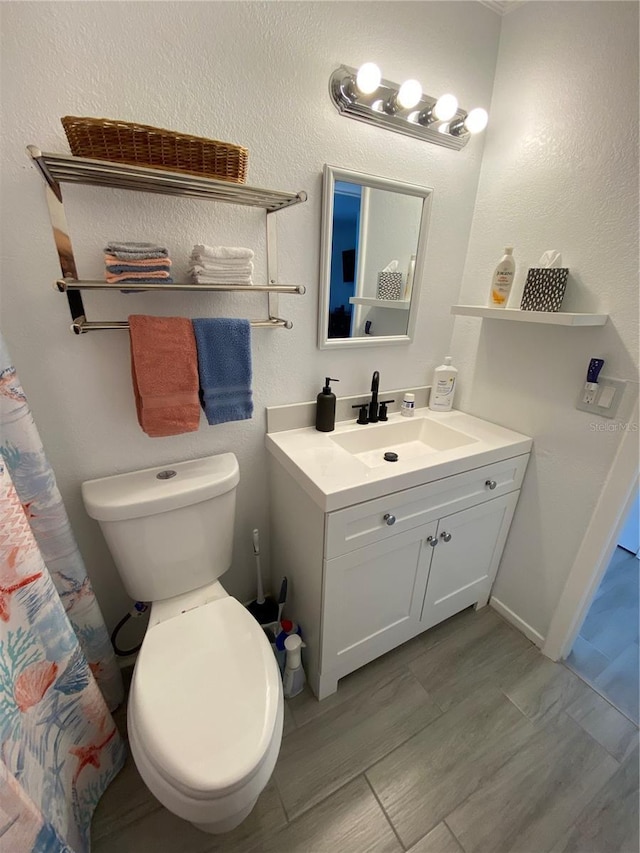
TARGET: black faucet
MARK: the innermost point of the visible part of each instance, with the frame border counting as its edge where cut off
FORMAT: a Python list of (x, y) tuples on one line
[(373, 405)]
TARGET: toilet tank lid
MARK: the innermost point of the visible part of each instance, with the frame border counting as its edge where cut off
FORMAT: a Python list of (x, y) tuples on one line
[(160, 489)]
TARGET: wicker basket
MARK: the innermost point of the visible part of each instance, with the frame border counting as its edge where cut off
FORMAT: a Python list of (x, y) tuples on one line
[(142, 145)]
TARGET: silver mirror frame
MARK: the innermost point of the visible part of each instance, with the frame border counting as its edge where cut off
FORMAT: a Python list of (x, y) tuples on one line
[(331, 174)]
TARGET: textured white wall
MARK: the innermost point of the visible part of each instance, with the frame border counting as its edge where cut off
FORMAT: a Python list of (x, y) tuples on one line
[(256, 74), (560, 170)]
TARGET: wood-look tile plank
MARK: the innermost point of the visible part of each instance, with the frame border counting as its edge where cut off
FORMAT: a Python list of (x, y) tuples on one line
[(485, 651), (604, 723), (126, 800), (530, 802), (609, 823), (545, 689), (289, 724), (439, 840), (620, 680), (350, 820), (422, 781), (163, 832), (586, 660), (306, 707), (323, 755)]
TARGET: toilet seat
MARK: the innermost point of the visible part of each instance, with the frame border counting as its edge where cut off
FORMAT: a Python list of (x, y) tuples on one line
[(206, 699)]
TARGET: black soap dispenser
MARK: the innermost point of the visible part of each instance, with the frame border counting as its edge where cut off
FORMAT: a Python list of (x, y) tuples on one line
[(326, 408)]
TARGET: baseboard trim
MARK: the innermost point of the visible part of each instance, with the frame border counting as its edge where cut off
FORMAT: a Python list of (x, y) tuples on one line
[(517, 622)]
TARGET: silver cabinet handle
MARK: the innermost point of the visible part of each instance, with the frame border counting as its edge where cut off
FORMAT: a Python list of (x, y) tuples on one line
[(390, 519), (490, 484), (446, 537), (432, 541)]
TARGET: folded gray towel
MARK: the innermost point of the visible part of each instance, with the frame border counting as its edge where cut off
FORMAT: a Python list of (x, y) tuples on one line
[(136, 251)]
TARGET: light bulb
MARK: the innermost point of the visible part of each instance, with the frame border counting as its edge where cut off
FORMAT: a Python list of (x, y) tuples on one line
[(476, 121), (446, 107), (409, 94), (368, 78)]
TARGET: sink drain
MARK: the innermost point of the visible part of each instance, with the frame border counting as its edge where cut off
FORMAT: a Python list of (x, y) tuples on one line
[(390, 456)]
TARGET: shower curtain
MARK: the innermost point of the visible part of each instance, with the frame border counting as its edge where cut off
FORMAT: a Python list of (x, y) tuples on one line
[(59, 747)]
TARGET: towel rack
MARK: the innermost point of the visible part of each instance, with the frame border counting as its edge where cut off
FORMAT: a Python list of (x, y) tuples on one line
[(56, 169)]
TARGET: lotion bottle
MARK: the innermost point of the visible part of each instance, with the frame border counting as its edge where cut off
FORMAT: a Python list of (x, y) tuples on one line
[(502, 280), (443, 387)]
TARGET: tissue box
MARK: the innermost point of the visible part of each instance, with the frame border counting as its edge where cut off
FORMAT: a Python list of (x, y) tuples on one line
[(544, 289), (389, 285)]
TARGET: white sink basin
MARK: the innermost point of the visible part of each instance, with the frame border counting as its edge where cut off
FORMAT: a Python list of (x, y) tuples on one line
[(347, 466), (409, 438)]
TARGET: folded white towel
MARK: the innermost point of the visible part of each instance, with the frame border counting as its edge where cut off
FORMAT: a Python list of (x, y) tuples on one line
[(222, 276), (226, 262), (223, 252), (212, 279), (245, 266)]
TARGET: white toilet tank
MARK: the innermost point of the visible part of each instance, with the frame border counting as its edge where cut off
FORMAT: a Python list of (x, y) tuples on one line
[(169, 529)]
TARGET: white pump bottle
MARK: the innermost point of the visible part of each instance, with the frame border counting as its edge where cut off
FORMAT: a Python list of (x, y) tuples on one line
[(443, 387)]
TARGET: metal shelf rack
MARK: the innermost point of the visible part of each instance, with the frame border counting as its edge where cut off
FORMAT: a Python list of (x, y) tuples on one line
[(57, 169)]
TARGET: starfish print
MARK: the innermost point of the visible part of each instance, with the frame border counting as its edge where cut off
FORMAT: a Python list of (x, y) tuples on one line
[(76, 591), (10, 385), (89, 754), (27, 509), (7, 589)]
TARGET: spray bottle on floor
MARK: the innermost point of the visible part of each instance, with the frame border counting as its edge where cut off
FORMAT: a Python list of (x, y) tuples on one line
[(293, 680)]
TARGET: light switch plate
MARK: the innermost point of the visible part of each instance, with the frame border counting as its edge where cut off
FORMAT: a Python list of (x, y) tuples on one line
[(593, 408)]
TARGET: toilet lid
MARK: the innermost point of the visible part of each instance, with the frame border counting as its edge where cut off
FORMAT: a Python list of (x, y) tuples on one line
[(205, 697)]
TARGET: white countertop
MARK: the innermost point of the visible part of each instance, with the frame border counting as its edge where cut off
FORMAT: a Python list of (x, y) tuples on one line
[(334, 478)]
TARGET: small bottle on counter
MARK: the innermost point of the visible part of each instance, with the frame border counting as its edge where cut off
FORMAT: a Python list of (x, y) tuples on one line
[(326, 408), (408, 407)]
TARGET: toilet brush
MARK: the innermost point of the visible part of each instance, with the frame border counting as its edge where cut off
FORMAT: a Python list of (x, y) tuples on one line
[(263, 609)]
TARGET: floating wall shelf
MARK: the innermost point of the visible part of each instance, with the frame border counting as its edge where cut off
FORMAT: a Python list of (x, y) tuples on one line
[(63, 168), (551, 318), (372, 302)]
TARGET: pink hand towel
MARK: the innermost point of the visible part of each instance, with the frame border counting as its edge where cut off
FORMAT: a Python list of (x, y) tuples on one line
[(164, 370), (112, 278)]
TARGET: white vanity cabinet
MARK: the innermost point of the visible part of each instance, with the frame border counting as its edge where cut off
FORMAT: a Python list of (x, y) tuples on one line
[(368, 577)]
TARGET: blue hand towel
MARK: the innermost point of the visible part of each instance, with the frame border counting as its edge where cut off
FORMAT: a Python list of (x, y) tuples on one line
[(224, 364), (119, 269)]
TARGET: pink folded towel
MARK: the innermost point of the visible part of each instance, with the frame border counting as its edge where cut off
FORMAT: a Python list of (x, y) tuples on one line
[(112, 278), (144, 262), (164, 371)]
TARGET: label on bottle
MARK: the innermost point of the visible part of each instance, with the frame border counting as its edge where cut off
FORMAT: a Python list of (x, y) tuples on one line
[(501, 286), (444, 387)]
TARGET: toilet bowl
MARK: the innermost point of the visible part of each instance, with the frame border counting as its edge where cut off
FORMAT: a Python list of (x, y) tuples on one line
[(206, 708), (205, 713)]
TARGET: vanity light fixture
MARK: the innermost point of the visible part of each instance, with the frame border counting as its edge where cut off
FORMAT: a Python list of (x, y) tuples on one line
[(364, 95)]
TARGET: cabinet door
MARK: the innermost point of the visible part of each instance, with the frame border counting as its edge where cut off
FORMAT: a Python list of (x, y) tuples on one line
[(373, 599), (466, 558)]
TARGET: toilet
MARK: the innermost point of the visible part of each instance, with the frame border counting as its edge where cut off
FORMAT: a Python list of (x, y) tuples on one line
[(206, 706)]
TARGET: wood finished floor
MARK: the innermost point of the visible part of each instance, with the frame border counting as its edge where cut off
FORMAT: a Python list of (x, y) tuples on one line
[(606, 650), (464, 740)]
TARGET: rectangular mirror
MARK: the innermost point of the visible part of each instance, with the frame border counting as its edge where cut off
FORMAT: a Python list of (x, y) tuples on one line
[(374, 235)]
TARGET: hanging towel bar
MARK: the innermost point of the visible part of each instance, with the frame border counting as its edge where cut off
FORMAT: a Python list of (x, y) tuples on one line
[(80, 326)]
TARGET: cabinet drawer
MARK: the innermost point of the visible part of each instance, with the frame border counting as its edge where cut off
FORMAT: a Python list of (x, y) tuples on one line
[(365, 523)]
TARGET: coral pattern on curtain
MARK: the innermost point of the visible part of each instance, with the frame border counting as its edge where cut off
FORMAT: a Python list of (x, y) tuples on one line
[(35, 483), (59, 746)]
